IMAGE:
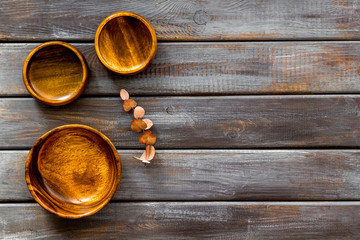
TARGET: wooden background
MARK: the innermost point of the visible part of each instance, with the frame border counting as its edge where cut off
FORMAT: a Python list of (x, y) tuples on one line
[(256, 107)]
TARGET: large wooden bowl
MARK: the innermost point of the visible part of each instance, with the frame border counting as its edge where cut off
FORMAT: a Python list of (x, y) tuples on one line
[(73, 171), (55, 73), (125, 43)]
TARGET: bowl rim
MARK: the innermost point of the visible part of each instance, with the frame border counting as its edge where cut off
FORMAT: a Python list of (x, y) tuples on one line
[(42, 140), (72, 97), (153, 37)]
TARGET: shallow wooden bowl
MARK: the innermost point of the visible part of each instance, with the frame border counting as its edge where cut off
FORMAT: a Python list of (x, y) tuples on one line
[(55, 73), (73, 171), (125, 43)]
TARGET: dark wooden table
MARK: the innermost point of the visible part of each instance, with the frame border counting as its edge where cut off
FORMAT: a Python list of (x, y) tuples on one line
[(256, 107)]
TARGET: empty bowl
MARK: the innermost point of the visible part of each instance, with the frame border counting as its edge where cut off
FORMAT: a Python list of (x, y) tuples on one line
[(73, 171), (55, 73), (125, 43)]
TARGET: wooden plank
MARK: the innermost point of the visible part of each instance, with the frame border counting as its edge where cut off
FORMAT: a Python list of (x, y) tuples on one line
[(196, 122), (214, 68), (35, 20), (189, 220), (218, 175)]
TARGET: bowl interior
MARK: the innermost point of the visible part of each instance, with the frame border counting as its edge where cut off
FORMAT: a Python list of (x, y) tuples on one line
[(73, 172), (125, 43), (55, 73)]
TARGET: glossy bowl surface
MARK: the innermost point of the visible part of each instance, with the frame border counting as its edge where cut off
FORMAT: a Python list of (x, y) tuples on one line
[(73, 171), (125, 43), (55, 73)]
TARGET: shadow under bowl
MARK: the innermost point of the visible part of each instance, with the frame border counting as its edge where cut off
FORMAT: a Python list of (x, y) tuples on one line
[(125, 43), (55, 73), (73, 171)]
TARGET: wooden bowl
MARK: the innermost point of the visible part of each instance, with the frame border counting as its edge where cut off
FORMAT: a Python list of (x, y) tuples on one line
[(125, 43), (55, 73), (73, 171)]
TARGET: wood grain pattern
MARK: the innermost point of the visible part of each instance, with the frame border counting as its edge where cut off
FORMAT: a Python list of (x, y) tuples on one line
[(125, 43), (73, 171), (200, 68), (174, 220), (218, 175), (214, 68), (35, 20), (196, 122), (55, 73)]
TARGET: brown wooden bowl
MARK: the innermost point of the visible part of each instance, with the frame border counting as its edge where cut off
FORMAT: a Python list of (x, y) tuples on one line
[(73, 171), (55, 73), (125, 43)]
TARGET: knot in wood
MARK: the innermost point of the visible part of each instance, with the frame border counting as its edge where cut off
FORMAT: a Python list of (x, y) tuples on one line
[(170, 109), (232, 134), (201, 17)]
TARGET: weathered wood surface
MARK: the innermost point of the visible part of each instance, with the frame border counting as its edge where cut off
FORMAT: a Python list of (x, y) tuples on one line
[(218, 175), (35, 20), (196, 122), (191, 220), (214, 68)]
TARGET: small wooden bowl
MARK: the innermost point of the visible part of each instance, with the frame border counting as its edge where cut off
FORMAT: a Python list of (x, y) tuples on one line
[(125, 43), (55, 73), (73, 171)]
